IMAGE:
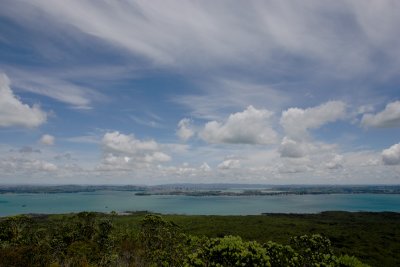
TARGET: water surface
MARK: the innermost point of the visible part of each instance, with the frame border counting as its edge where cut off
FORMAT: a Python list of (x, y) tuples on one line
[(106, 201)]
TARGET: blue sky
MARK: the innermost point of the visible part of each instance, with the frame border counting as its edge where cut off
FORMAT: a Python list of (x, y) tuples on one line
[(149, 92)]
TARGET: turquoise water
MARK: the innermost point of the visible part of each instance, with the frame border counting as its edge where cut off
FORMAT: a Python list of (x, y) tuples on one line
[(106, 201)]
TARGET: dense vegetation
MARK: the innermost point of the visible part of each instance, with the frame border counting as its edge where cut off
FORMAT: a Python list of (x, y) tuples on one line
[(91, 239)]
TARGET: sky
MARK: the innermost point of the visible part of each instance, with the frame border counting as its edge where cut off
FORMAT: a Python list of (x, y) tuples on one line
[(156, 92)]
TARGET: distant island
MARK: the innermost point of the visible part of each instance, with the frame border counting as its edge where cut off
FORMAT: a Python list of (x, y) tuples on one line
[(275, 190), (55, 189), (207, 189)]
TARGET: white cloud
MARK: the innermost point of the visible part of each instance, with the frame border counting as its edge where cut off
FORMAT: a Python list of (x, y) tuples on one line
[(13, 112), (389, 117), (336, 162), (125, 152), (47, 139), (185, 130), (294, 165), (26, 165), (296, 122), (391, 155), (157, 157), (362, 158), (112, 162), (121, 143), (47, 166), (292, 149), (229, 164), (252, 126), (306, 156), (205, 167), (183, 171)]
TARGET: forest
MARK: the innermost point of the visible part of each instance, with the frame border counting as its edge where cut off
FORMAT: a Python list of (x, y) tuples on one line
[(145, 239)]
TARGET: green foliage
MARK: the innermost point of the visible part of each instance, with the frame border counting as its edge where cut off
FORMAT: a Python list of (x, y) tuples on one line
[(162, 242), (78, 240), (373, 237), (16, 230), (85, 225), (91, 239), (229, 251), (314, 250), (349, 261), (281, 255)]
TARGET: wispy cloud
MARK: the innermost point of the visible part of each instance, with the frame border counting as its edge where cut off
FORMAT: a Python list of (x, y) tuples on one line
[(252, 34), (50, 85), (150, 121), (218, 98)]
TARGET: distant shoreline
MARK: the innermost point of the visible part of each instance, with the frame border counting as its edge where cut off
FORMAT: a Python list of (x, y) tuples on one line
[(259, 193), (144, 212), (206, 189)]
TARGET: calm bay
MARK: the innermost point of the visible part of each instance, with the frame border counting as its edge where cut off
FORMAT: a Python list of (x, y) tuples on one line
[(107, 201)]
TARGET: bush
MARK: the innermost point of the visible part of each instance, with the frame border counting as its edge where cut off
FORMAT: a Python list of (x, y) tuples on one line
[(161, 241), (349, 261), (314, 250), (229, 251), (281, 255)]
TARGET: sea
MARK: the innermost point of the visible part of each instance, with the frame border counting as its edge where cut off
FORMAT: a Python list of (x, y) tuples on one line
[(123, 201)]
